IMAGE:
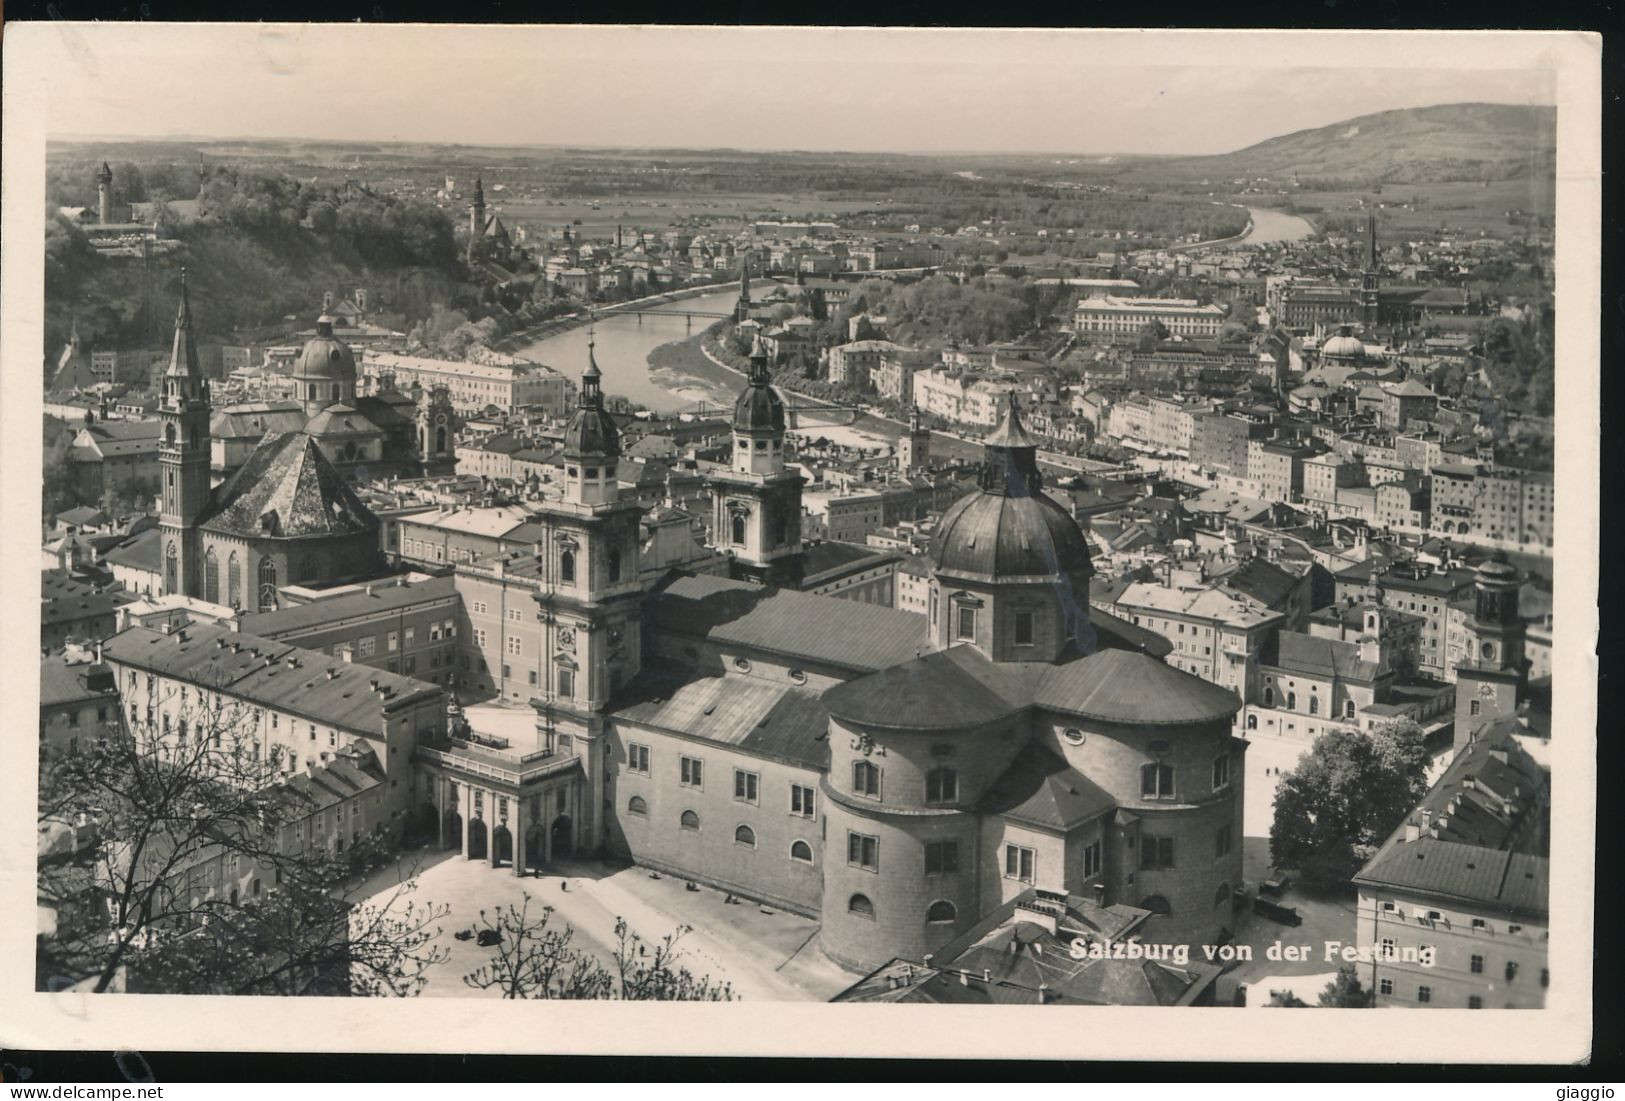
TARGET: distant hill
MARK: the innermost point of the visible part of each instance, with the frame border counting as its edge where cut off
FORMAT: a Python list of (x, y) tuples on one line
[(1457, 141)]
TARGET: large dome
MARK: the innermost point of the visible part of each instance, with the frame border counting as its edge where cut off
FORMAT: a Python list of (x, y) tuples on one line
[(996, 536), (592, 431), (759, 409), (1343, 346), (325, 356)]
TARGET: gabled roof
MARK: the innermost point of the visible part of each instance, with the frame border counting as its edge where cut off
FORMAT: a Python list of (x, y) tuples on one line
[(750, 713), (1311, 656), (1041, 789)]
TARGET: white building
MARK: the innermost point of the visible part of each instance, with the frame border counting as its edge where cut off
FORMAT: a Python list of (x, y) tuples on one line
[(1109, 315), (473, 386)]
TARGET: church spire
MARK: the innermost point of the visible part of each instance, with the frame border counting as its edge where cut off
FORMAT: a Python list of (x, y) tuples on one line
[(183, 359), (1371, 241), (1010, 466)]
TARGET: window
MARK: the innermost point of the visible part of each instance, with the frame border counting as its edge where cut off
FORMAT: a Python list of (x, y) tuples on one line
[(801, 800), (861, 906), (941, 911), (1091, 859), (865, 778), (1472, 707), (1221, 772), (1269, 697), (637, 758), (1545, 977), (800, 850), (516, 645), (690, 820), (1386, 986), (737, 528), (567, 567), (1477, 965), (567, 683), (411, 635), (614, 565), (941, 785), (941, 857), (1024, 628), (1314, 705), (744, 835), (967, 624), (1157, 781), (863, 851), (1156, 852), (1157, 905), (745, 784), (531, 676), (1073, 735), (1018, 863), (1475, 1002), (1221, 841), (692, 771), (507, 671), (1512, 971), (1480, 923), (1424, 993), (1291, 701)]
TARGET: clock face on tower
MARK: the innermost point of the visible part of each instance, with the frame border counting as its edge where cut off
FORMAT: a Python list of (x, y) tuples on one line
[(441, 419), (567, 639)]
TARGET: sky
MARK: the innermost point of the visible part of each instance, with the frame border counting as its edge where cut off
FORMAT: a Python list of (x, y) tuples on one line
[(757, 88)]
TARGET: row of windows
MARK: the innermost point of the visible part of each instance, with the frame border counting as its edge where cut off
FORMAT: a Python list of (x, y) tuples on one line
[(1023, 625), (638, 807), (941, 911), (941, 783), (747, 785)]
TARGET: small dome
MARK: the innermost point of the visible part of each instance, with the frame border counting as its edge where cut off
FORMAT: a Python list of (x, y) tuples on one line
[(1343, 346), (325, 356), (592, 432), (759, 409), (993, 535)]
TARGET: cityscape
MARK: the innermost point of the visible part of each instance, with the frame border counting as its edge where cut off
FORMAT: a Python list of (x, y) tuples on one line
[(548, 571)]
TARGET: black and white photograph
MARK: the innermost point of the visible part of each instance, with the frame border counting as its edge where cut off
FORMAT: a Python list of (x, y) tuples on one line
[(1069, 519)]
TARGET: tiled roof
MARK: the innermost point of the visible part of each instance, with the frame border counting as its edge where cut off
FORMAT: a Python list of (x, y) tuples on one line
[(847, 635), (383, 597), (140, 552), (61, 683), (288, 476), (750, 713), (943, 690), (1041, 789), (1317, 657), (1123, 686), (257, 670)]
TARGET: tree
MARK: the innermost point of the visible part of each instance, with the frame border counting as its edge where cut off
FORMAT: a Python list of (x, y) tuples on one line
[(1285, 999), (196, 878), (1152, 333), (535, 961), (1345, 992), (1344, 798)]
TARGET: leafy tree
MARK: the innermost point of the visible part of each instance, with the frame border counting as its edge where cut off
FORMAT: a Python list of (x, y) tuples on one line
[(164, 814), (1344, 798), (1152, 333), (1345, 992), (1285, 999), (535, 961)]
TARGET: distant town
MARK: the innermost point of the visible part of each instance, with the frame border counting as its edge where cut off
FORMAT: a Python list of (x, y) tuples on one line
[(861, 604)]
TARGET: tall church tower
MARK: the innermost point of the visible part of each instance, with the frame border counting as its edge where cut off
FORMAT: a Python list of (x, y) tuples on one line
[(183, 456), (914, 446), (104, 194), (756, 515), (476, 217), (1370, 295), (742, 307), (437, 425), (1492, 670)]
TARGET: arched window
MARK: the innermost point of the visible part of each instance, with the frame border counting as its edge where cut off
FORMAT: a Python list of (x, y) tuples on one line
[(567, 567), (171, 569), (1269, 697), (1291, 701), (614, 565), (439, 440), (941, 910), (865, 778), (744, 835), (1157, 781), (1252, 721), (211, 577), (1221, 895), (169, 434), (267, 584), (801, 851), (941, 785), (690, 820), (1156, 904), (1314, 705), (234, 581), (1348, 709), (637, 806), (739, 528), (861, 906)]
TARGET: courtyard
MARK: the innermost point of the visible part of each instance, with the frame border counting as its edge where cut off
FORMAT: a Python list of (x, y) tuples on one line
[(765, 954)]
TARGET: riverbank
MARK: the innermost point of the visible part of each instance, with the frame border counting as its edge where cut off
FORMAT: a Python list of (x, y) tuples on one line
[(588, 314), (683, 367)]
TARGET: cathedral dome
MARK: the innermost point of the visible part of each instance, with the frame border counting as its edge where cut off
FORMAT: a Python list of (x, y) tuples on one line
[(325, 357), (1001, 537)]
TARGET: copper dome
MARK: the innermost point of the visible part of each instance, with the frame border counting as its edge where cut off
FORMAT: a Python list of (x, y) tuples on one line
[(325, 356), (997, 536)]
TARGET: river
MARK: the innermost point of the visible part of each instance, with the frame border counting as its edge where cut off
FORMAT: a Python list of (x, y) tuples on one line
[(1270, 226), (623, 346)]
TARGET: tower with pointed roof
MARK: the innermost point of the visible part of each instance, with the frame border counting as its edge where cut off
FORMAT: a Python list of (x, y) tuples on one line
[(1370, 293), (742, 307), (183, 455), (1011, 565), (104, 194), (914, 446), (756, 504), (476, 216)]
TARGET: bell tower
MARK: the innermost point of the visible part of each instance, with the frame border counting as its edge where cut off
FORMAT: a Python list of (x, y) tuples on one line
[(437, 425), (1370, 294), (756, 513), (183, 456), (476, 217), (914, 446), (104, 194), (1492, 669)]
